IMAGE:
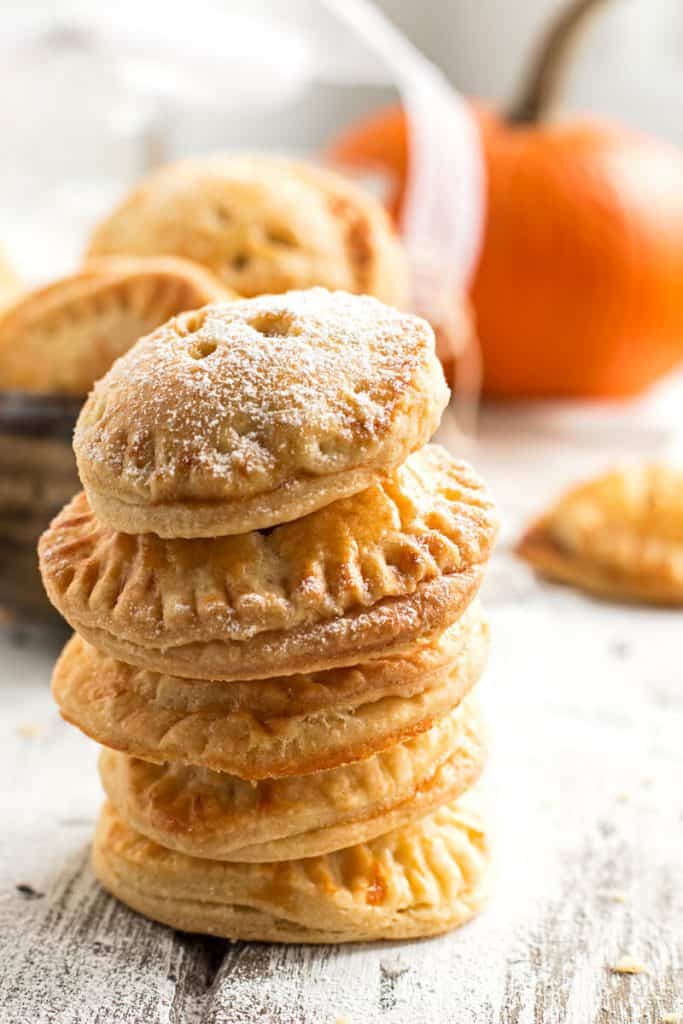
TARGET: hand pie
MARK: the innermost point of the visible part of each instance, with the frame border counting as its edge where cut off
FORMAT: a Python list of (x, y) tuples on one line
[(242, 416), (262, 225), (619, 536), (271, 727), (418, 880), (61, 338), (365, 575), (211, 814)]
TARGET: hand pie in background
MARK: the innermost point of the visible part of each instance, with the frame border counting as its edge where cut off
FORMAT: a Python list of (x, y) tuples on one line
[(55, 342), (61, 338), (619, 536), (262, 224)]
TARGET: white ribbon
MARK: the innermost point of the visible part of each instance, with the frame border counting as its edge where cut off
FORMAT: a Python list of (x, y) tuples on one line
[(443, 213)]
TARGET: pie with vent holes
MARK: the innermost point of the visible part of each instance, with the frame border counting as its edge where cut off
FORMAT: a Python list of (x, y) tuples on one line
[(421, 879), (262, 224), (245, 415), (62, 337), (619, 536), (218, 816), (357, 579), (277, 727)]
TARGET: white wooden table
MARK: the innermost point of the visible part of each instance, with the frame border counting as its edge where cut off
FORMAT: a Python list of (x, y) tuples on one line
[(585, 785)]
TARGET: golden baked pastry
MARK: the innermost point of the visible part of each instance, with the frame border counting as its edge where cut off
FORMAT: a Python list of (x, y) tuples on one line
[(619, 536), (422, 879), (62, 337), (270, 727), (241, 416), (262, 224), (212, 814), (367, 574)]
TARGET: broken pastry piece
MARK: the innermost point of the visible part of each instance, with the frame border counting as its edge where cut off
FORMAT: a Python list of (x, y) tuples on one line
[(619, 536)]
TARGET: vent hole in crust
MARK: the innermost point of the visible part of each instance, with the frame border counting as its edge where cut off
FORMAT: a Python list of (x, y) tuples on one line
[(222, 214), (240, 261), (272, 325), (279, 236), (189, 323), (202, 348)]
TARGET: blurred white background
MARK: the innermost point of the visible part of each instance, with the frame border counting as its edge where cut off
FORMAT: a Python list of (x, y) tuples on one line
[(92, 93)]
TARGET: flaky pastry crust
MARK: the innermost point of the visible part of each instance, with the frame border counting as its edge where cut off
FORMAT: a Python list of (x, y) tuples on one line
[(619, 536), (253, 413), (215, 815), (262, 224), (367, 574), (62, 337), (271, 727), (422, 879)]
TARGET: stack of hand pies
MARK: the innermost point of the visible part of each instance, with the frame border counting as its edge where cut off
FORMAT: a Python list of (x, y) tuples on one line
[(272, 578)]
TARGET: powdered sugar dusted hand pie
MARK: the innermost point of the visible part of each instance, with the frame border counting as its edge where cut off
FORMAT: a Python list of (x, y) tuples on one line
[(262, 224), (619, 536), (64, 336), (215, 815), (421, 879), (277, 727), (242, 416), (400, 560)]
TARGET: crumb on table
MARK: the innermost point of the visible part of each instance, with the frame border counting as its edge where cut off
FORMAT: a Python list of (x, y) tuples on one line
[(628, 965), (29, 729)]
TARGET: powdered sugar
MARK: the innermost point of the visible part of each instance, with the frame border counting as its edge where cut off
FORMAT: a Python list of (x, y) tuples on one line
[(240, 398)]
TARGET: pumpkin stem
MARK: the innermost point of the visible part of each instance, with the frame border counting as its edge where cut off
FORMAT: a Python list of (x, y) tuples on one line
[(549, 65)]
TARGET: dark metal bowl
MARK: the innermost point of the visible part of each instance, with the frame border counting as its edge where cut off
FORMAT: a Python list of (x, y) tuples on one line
[(37, 477)]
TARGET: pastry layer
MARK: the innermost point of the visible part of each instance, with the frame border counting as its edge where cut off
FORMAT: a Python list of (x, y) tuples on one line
[(269, 728), (363, 576), (215, 815), (420, 880)]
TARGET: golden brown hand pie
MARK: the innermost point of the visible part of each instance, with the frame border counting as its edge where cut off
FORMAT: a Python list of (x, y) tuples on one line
[(212, 814), (364, 575), (619, 536), (421, 879), (62, 337), (270, 727), (246, 415), (262, 224)]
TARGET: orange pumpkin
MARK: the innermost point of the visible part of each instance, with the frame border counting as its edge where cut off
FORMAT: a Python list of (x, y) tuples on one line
[(579, 287)]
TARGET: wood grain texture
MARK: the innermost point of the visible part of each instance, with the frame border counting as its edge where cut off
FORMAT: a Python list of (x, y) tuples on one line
[(585, 703)]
